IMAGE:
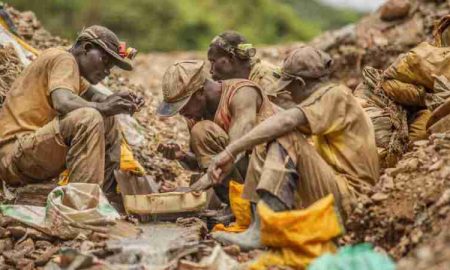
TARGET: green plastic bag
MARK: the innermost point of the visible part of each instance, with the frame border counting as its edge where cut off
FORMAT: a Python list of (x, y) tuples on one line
[(359, 257)]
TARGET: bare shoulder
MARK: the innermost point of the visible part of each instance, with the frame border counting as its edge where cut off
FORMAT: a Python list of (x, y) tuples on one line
[(246, 96)]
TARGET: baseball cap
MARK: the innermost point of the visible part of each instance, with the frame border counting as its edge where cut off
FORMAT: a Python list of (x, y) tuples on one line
[(109, 42)]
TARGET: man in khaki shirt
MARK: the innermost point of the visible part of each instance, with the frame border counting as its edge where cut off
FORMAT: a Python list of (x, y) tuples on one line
[(345, 155), (53, 119)]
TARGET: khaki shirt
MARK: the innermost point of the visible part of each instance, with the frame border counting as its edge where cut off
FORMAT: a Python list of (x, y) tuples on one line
[(342, 134), (28, 104)]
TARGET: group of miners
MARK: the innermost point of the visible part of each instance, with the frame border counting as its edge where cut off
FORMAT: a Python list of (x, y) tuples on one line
[(291, 135)]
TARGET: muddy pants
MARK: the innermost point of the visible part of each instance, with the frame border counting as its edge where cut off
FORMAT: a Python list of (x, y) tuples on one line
[(82, 141), (297, 183), (208, 140)]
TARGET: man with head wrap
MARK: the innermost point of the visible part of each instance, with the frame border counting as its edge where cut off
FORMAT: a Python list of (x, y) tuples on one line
[(231, 56), (54, 119), (343, 160)]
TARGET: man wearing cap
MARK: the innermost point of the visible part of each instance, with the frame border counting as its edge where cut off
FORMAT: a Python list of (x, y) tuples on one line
[(232, 57), (223, 111), (344, 160), (54, 119)]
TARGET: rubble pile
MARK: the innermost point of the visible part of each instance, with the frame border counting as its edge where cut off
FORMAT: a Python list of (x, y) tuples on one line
[(155, 131), (10, 68), (411, 203), (379, 38), (26, 248), (31, 30)]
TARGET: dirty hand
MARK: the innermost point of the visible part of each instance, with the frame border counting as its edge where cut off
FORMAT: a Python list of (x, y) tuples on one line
[(137, 99), (115, 104), (220, 166), (171, 151)]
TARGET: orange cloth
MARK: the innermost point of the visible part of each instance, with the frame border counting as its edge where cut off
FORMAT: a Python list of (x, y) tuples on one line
[(298, 237), (240, 208)]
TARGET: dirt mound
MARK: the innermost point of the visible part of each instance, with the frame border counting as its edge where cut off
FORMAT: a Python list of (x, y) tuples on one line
[(155, 130), (410, 204), (31, 30), (377, 42), (10, 68)]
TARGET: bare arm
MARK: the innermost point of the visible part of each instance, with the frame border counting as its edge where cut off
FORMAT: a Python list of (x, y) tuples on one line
[(270, 129), (94, 95), (244, 108), (64, 101)]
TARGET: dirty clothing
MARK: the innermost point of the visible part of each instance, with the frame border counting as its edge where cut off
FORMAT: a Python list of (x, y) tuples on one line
[(82, 141), (343, 162), (266, 76), (273, 171), (208, 140), (413, 75), (28, 104), (418, 80), (344, 136), (297, 184), (37, 144)]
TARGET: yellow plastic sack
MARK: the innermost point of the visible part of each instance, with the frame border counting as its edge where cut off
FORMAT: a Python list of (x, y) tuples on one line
[(298, 237), (404, 93), (127, 163), (418, 128), (240, 208)]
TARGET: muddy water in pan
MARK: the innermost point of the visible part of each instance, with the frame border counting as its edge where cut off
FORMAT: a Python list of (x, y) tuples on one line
[(156, 246)]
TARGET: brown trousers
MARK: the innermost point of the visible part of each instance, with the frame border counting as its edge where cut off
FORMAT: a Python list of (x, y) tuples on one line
[(297, 184), (207, 140), (82, 141)]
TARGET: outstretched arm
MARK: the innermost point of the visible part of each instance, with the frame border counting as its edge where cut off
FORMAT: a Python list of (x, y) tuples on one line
[(270, 129)]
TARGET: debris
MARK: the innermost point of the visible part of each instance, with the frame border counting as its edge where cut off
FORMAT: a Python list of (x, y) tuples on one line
[(72, 209), (409, 213), (378, 197), (10, 68), (394, 10), (31, 30)]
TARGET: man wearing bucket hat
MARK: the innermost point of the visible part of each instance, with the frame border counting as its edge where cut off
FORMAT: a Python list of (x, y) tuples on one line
[(222, 111), (54, 119), (343, 160), (232, 57)]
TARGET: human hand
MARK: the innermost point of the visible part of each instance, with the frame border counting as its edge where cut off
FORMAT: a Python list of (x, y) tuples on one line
[(115, 104), (133, 97), (171, 151), (220, 166)]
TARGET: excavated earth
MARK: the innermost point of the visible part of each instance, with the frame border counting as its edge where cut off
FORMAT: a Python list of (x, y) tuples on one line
[(406, 215)]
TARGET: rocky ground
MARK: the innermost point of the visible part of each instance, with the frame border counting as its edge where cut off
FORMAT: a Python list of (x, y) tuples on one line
[(406, 215)]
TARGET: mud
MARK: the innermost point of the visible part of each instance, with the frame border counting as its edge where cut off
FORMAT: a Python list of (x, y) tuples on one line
[(157, 246)]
